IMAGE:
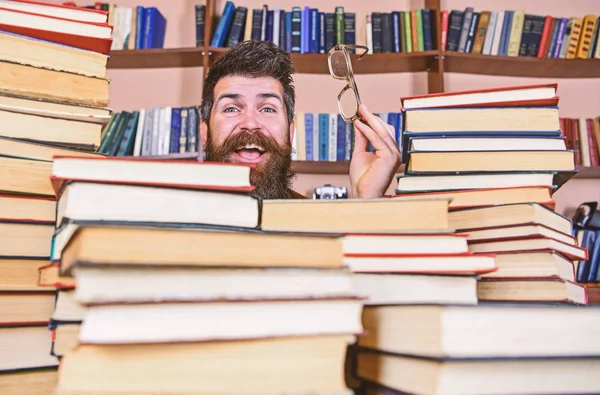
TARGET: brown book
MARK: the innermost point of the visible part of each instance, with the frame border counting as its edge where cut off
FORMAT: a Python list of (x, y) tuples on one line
[(482, 26), (487, 330), (533, 264), (27, 208), (490, 161), (493, 196), (24, 176), (26, 308), (19, 274), (54, 85), (87, 244), (530, 290), (355, 215), (417, 375), (24, 50), (478, 119), (24, 348), (30, 240), (508, 215), (310, 365)]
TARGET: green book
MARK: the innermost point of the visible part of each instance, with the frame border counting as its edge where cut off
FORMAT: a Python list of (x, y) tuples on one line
[(420, 45), (339, 25), (407, 32)]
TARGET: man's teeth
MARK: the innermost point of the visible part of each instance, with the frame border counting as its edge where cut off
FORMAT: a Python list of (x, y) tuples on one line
[(251, 146)]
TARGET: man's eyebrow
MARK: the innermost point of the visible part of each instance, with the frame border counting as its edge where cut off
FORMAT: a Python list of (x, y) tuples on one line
[(234, 96), (270, 95)]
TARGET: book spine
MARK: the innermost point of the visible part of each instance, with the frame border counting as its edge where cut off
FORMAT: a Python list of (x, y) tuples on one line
[(526, 34), (276, 26), (192, 130), (454, 31), (377, 23), (408, 32), (566, 38), (386, 32), (396, 28), (308, 127), (288, 31), (553, 37), (489, 34), (183, 134), (444, 32), (514, 42), (535, 38), (305, 32), (339, 25), (175, 130), (559, 38), (200, 12), (324, 137), (419, 31), (149, 20), (506, 33), (341, 138), (313, 44), (322, 33), (316, 138), (481, 29), (256, 24), (296, 30), (332, 145), (282, 31), (237, 28), (139, 27), (427, 16), (223, 26), (329, 31), (464, 30), (369, 33), (472, 30), (269, 26), (574, 40), (594, 39), (349, 141), (350, 29), (545, 39)]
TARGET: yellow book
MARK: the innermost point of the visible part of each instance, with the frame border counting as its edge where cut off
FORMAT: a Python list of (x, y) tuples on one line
[(514, 42), (408, 31), (574, 39), (482, 26), (587, 35)]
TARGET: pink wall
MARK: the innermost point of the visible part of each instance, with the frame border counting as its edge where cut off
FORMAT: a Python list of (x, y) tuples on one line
[(131, 89)]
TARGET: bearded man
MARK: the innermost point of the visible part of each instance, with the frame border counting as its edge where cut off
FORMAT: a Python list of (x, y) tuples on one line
[(247, 116)]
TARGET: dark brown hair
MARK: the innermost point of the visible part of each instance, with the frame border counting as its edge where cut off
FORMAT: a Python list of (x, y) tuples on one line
[(253, 59)]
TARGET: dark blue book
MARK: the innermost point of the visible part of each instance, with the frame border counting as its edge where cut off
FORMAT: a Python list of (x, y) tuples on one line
[(155, 26), (200, 14), (282, 26), (224, 25), (288, 31), (313, 43), (377, 33), (236, 32), (472, 30), (329, 31), (427, 17), (305, 31), (594, 259), (387, 33), (350, 29), (296, 26), (322, 32), (175, 130), (269, 26), (454, 30), (256, 24)]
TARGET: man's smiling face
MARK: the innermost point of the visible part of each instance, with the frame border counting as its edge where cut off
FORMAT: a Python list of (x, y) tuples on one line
[(249, 124)]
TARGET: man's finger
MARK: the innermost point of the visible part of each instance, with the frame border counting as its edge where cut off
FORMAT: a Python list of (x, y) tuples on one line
[(361, 143), (376, 141), (379, 126)]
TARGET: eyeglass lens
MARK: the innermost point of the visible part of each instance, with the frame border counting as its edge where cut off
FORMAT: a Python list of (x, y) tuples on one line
[(339, 67)]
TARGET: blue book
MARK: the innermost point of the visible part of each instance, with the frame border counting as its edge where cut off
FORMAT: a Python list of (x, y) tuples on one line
[(322, 32), (313, 43), (269, 26), (139, 27), (305, 31), (505, 35), (288, 31), (324, 137), (341, 139), (308, 130), (223, 26), (396, 29), (155, 26)]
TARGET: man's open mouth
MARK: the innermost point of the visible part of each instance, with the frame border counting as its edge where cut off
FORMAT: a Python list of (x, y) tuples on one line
[(250, 152)]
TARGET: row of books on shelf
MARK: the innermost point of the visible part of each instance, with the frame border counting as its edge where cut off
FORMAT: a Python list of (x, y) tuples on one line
[(515, 33), (310, 30), (132, 27), (151, 132)]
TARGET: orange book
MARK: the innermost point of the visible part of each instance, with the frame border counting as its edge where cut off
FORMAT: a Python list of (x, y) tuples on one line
[(587, 35), (574, 38), (415, 34)]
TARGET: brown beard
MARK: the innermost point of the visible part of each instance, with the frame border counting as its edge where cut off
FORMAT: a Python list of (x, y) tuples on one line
[(272, 179)]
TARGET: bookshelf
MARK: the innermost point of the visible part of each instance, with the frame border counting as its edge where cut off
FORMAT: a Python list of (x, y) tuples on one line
[(435, 63)]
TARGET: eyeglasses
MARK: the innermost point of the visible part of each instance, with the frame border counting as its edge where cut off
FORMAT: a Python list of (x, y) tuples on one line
[(340, 68)]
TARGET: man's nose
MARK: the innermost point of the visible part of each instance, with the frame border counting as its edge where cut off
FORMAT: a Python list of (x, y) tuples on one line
[(250, 120)]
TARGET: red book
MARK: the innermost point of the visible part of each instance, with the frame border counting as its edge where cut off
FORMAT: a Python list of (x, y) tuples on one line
[(512, 96), (90, 36), (444, 29), (592, 142), (546, 36), (66, 10)]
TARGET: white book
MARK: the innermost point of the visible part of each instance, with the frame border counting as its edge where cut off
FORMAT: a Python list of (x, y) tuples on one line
[(497, 33), (584, 145), (315, 136), (165, 131), (597, 54), (333, 125), (295, 143), (248, 27), (139, 133), (126, 26), (369, 38), (276, 25), (489, 36), (155, 139)]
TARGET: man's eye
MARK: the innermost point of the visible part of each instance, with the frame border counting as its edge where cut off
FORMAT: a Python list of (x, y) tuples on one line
[(231, 109), (268, 109)]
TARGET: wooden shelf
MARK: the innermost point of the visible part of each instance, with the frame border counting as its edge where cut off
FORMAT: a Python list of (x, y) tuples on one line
[(156, 58), (370, 64), (518, 66)]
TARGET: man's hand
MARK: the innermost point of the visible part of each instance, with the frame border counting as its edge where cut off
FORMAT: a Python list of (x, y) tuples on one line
[(371, 172)]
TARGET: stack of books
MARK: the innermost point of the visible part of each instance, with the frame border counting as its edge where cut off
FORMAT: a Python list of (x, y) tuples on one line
[(53, 98), (512, 329), (499, 154), (183, 293)]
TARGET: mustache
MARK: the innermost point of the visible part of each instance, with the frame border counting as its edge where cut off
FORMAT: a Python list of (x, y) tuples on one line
[(246, 137)]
